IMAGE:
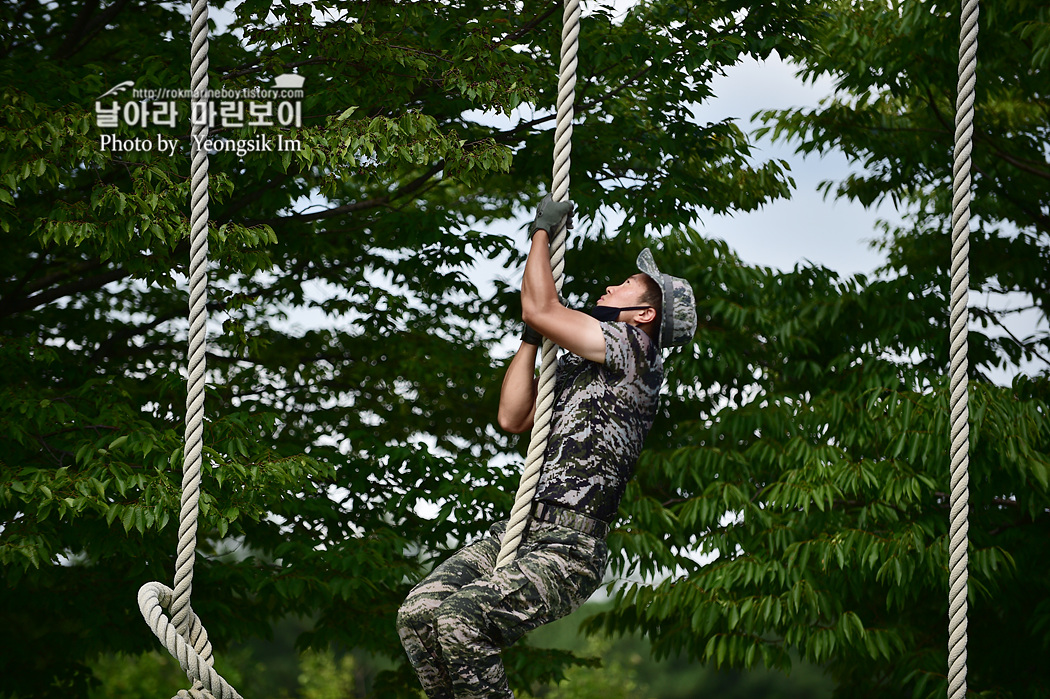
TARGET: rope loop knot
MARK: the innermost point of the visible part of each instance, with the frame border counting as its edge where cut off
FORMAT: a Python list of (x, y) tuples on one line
[(192, 650)]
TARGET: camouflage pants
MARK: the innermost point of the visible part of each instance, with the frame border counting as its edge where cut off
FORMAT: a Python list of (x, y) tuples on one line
[(454, 624)]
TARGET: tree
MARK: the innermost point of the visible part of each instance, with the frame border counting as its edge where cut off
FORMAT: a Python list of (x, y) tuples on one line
[(893, 116), (625, 667), (815, 475), (319, 674), (321, 442)]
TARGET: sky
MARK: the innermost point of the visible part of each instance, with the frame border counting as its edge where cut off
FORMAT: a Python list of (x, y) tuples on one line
[(807, 227), (831, 233)]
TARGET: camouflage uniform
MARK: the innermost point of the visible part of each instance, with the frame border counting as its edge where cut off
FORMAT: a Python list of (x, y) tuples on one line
[(454, 623), (602, 413)]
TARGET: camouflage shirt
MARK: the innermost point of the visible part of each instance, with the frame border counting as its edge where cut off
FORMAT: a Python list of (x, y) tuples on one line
[(602, 413)]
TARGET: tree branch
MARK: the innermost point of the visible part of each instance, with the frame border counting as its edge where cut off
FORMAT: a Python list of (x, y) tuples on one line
[(1013, 337), (357, 205), (1022, 165), (20, 284), (45, 297), (74, 34), (249, 198), (76, 270), (79, 428), (1023, 521), (256, 67), (104, 347), (536, 21), (76, 41), (22, 10), (1039, 219)]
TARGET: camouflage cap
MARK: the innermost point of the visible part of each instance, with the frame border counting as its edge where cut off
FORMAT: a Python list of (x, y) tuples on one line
[(679, 308)]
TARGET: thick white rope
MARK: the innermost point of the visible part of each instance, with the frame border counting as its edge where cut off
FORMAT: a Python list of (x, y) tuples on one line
[(530, 476), (958, 385), (185, 637)]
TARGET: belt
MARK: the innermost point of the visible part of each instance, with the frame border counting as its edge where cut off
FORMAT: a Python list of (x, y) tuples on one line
[(544, 512)]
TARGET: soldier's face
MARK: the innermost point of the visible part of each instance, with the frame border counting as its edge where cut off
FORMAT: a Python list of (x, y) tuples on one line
[(629, 293)]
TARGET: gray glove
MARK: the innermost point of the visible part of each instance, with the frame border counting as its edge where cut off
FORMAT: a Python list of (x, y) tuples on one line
[(549, 214)]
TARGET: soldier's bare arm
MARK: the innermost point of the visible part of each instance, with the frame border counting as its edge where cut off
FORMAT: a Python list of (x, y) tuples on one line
[(542, 309), (517, 398)]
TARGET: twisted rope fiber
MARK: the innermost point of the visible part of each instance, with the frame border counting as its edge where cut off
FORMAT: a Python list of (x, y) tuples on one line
[(530, 476), (185, 636), (958, 385)]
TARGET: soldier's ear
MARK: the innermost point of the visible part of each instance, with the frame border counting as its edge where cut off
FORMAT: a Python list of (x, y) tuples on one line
[(647, 315)]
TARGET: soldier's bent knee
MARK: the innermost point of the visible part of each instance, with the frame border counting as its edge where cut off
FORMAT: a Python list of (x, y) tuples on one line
[(412, 614), (456, 628)]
